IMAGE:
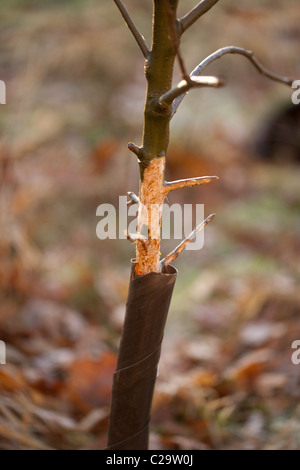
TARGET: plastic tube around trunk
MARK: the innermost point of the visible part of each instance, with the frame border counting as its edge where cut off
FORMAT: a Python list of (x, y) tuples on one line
[(147, 308)]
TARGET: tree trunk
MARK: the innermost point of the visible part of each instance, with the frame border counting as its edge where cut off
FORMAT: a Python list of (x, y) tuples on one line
[(134, 380), (150, 290)]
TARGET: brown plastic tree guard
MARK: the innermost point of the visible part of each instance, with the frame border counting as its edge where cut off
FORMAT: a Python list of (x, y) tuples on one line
[(147, 308)]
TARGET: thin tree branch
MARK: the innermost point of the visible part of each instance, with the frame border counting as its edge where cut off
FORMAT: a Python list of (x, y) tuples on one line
[(135, 149), (232, 50), (189, 182), (186, 21), (135, 32), (176, 252), (133, 198), (136, 237), (250, 55), (184, 86)]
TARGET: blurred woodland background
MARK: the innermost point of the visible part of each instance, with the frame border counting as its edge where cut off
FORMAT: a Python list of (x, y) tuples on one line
[(75, 95)]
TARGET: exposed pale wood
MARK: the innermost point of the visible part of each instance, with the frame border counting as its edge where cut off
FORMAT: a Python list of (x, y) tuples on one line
[(152, 194)]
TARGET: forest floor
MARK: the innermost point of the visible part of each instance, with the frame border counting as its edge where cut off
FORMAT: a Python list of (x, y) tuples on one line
[(75, 92)]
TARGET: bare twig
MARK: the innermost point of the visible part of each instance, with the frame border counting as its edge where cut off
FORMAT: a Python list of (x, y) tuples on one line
[(133, 198), (176, 252), (189, 182), (135, 149), (135, 32), (232, 50), (185, 85), (250, 55), (184, 72), (136, 237), (186, 21)]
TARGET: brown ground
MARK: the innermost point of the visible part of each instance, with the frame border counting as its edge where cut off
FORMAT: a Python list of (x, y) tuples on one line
[(75, 92)]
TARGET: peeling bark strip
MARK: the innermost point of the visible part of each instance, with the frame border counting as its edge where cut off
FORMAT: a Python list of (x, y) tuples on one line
[(152, 195), (146, 312)]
